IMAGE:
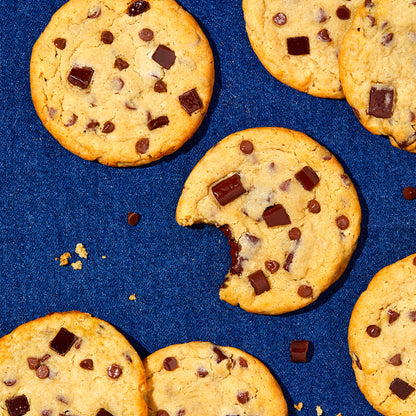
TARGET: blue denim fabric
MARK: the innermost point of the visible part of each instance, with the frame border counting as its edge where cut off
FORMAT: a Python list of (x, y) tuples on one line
[(51, 200)]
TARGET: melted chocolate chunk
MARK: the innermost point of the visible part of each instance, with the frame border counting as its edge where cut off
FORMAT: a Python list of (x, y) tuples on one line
[(368, 4), (103, 412), (280, 19), (94, 12), (160, 86), (373, 330), (228, 189), (72, 121), (412, 316), (81, 76), (322, 17), (33, 363), (121, 64), (42, 372), (202, 372), (62, 399), (343, 13), (87, 364), (372, 19), (342, 222), (236, 260), (220, 355), (190, 101), (114, 371), (356, 360), (138, 7), (314, 206), (409, 193), (60, 43), (396, 360), (10, 383), (401, 389), (133, 219), (45, 357), (284, 186), (393, 316), (272, 266), (162, 413), (18, 406), (170, 363), (386, 39), (307, 178), (46, 413), (93, 124), (299, 351), (244, 397), (63, 341), (276, 215), (305, 291), (156, 123), (146, 35), (298, 45), (295, 234), (381, 102), (142, 146), (164, 56), (108, 127), (324, 35), (288, 261), (107, 37), (243, 363), (259, 282), (246, 147)]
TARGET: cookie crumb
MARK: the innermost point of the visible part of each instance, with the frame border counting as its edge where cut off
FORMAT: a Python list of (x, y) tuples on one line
[(132, 297), (63, 260), (77, 265), (103, 257), (339, 414), (299, 406), (319, 410), (80, 250)]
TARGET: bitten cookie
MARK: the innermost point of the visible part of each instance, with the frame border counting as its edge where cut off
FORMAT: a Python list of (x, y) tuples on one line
[(202, 379), (70, 364), (290, 212), (382, 339), (298, 41), (378, 69), (122, 82)]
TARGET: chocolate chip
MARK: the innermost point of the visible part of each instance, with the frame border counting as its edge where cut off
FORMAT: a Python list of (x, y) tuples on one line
[(72, 120), (343, 13), (368, 4), (386, 39), (117, 84), (243, 363), (42, 372), (17, 406), (314, 206), (307, 178), (305, 291), (33, 363), (396, 360), (120, 64), (114, 371), (190, 101), (295, 234), (381, 102), (284, 186), (342, 222), (45, 357), (108, 127), (129, 105), (236, 260), (138, 7), (412, 316), (373, 330), (62, 399), (142, 146), (276, 215), (63, 341), (170, 363), (280, 19), (78, 344), (60, 43), (92, 124), (372, 19), (81, 76), (158, 122), (107, 37), (272, 266), (246, 147), (162, 413), (324, 35), (87, 364), (243, 397), (228, 189), (133, 218), (164, 56), (259, 282), (94, 12), (220, 355), (10, 383), (160, 86), (288, 261), (299, 351), (46, 413), (181, 412), (393, 315), (103, 412), (356, 360), (409, 193), (146, 35), (201, 372), (322, 17), (401, 389), (298, 45)]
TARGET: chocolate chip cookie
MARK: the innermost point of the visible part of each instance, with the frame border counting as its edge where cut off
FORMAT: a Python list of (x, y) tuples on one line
[(202, 379), (298, 41), (378, 69), (70, 364), (289, 210), (122, 82), (382, 339)]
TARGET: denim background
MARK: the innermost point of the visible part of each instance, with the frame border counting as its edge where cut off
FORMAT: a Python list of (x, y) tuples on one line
[(51, 200)]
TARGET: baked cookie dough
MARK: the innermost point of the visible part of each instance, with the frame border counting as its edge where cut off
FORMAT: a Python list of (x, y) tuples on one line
[(378, 69), (202, 379), (122, 82), (382, 339), (290, 212), (70, 364), (298, 40)]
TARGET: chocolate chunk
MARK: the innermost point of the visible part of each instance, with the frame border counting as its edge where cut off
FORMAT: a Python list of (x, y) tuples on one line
[(322, 17), (276, 215), (33, 363), (63, 341), (87, 364), (164, 56), (94, 12), (158, 122), (10, 383), (373, 330), (401, 389), (298, 45), (342, 222), (127, 356), (299, 351), (246, 147), (42, 372), (108, 127), (252, 238), (81, 76), (259, 282), (78, 344), (396, 360), (409, 193), (121, 64), (138, 7), (228, 189), (243, 363), (133, 218), (181, 412), (314, 206), (372, 19), (220, 355), (307, 178), (414, 261), (62, 399), (103, 412), (202, 372), (190, 101), (280, 19), (72, 120), (107, 37), (18, 406), (243, 397), (162, 413), (284, 186), (142, 146), (412, 316), (393, 315), (146, 35), (343, 13), (305, 291), (288, 261), (114, 371), (324, 35), (386, 39), (295, 234), (92, 124), (236, 260), (160, 86), (60, 43), (170, 363), (356, 360), (368, 4), (45, 357), (272, 266), (381, 102)]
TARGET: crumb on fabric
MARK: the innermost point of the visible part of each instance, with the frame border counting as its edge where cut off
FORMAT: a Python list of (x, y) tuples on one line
[(339, 414), (80, 250), (77, 265), (132, 297), (299, 406), (63, 260), (103, 257), (319, 410)]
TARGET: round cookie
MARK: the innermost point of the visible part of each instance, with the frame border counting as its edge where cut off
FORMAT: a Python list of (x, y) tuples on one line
[(378, 69), (382, 339), (290, 212), (298, 40), (122, 82), (70, 364), (202, 379)]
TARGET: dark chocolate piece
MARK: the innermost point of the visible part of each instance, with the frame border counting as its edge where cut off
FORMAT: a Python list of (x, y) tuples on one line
[(342, 222), (236, 260), (63, 341), (272, 266), (284, 186), (280, 19), (288, 261), (114, 371), (314, 206), (160, 86), (381, 102), (45, 357), (60, 43), (295, 234), (396, 360), (87, 364), (243, 363), (412, 316), (142, 146), (93, 124), (299, 351), (373, 330), (170, 363), (393, 315), (401, 389), (81, 76), (244, 397), (146, 35), (42, 372), (228, 189), (138, 7), (121, 64), (386, 39), (324, 35), (10, 383), (259, 282), (190, 101), (276, 215), (246, 147), (202, 372), (33, 363), (103, 412), (298, 45), (307, 178), (368, 4), (305, 291), (156, 123), (343, 13), (409, 193), (133, 219), (108, 127), (107, 37), (72, 121), (18, 406), (220, 355), (164, 56)]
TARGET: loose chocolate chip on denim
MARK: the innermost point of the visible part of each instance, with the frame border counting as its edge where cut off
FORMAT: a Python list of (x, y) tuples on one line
[(190, 101), (63, 341), (259, 282), (228, 189), (381, 102), (133, 219), (276, 215), (298, 45), (343, 13), (87, 364), (138, 7), (60, 43), (160, 86), (299, 351), (156, 123), (373, 330), (272, 266), (409, 193), (280, 19), (164, 56), (307, 178), (401, 389), (146, 35), (114, 371), (81, 76), (107, 37), (342, 222), (170, 363), (121, 64), (108, 127), (142, 146), (18, 406), (246, 147)]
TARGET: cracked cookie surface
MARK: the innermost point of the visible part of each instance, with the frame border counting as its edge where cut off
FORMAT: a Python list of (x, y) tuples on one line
[(202, 379), (122, 82), (70, 364), (290, 212)]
